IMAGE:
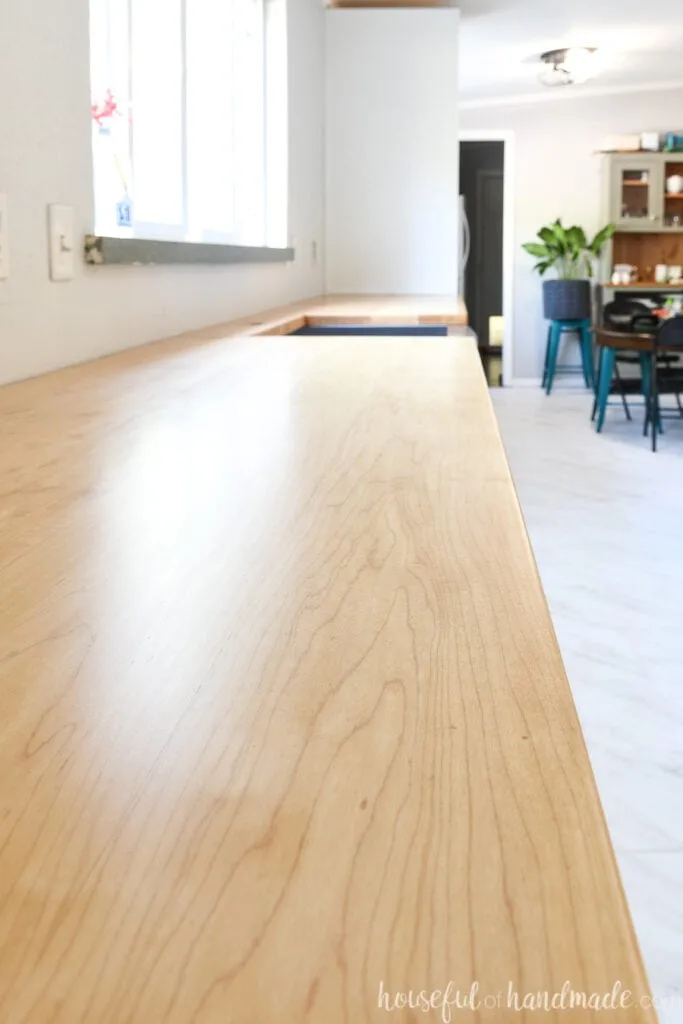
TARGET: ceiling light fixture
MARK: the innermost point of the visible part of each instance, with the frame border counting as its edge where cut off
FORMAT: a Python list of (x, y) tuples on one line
[(568, 67)]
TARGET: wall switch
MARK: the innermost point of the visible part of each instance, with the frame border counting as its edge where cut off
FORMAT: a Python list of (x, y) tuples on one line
[(62, 242), (314, 251), (4, 240)]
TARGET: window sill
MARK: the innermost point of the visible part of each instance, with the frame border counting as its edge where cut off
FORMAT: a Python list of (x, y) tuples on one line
[(138, 252)]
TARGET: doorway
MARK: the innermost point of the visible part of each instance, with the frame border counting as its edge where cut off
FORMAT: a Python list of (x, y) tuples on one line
[(485, 209)]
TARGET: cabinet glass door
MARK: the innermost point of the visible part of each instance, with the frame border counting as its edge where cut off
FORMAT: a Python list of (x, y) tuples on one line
[(635, 189), (673, 193)]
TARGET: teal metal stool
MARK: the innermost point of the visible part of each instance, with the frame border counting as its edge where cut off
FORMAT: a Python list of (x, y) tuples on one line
[(555, 331)]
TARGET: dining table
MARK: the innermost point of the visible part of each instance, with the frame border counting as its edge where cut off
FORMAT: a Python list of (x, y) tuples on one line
[(644, 339)]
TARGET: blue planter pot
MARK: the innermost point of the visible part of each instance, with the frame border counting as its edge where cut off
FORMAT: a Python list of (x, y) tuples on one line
[(567, 300)]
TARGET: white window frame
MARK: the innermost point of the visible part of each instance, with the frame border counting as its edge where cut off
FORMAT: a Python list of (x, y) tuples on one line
[(273, 170)]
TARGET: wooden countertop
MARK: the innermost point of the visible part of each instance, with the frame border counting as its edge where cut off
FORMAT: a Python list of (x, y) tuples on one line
[(388, 309), (283, 721), (650, 286), (381, 310)]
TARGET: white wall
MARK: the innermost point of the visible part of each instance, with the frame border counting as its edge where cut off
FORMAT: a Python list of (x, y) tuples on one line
[(45, 157), (558, 175), (392, 153)]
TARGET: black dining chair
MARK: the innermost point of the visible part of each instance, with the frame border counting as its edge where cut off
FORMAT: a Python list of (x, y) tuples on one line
[(665, 377), (617, 314)]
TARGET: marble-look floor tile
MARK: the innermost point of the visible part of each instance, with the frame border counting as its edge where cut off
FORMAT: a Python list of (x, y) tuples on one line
[(654, 884), (605, 517)]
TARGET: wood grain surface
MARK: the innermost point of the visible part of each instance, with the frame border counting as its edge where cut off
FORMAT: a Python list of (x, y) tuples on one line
[(446, 310), (282, 714)]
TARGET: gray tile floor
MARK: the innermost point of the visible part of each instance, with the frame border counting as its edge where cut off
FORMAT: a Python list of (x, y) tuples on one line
[(605, 518)]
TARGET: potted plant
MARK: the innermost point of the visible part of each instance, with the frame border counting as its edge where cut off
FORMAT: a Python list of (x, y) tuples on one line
[(573, 257)]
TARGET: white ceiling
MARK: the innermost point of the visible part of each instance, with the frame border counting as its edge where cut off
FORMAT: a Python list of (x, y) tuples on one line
[(640, 43)]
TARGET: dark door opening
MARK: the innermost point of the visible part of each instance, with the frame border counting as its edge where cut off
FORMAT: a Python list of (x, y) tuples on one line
[(482, 175)]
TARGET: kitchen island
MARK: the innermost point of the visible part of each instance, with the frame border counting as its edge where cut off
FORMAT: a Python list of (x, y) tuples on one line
[(285, 733)]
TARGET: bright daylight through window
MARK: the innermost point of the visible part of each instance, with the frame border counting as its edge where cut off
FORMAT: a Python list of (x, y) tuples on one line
[(189, 107)]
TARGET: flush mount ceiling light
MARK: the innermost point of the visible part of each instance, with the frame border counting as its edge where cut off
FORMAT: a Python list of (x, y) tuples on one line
[(568, 67)]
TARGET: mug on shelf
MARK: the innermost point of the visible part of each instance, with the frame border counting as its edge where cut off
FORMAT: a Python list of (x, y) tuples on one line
[(661, 273), (675, 274), (674, 184), (626, 272)]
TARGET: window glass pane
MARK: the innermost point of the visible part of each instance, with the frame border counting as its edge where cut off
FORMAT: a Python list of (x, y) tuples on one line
[(210, 117), (277, 145), (249, 88), (157, 86), (99, 48), (109, 75)]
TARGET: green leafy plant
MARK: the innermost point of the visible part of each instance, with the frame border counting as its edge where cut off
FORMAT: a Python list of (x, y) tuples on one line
[(567, 250)]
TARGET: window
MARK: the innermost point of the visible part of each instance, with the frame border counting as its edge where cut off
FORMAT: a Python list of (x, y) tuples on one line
[(189, 120)]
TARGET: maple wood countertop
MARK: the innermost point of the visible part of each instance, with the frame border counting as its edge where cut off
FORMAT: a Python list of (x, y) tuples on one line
[(372, 310), (284, 727)]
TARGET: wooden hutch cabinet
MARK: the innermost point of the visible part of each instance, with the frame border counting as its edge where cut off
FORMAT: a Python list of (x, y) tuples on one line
[(648, 216)]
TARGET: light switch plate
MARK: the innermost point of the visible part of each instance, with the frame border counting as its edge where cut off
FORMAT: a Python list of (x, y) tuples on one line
[(61, 241), (4, 240)]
